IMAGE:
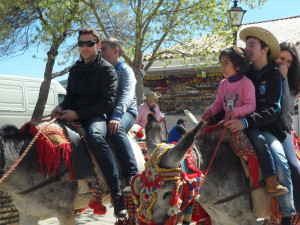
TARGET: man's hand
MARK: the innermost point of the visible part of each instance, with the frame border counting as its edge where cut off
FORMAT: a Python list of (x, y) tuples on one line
[(68, 115), (231, 115), (235, 125), (56, 112), (113, 126)]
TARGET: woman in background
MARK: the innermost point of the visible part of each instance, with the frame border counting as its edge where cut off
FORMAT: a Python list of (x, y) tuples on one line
[(289, 67)]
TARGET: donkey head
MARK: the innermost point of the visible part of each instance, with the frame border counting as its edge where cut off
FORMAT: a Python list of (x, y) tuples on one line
[(158, 186), (153, 133), (6, 152)]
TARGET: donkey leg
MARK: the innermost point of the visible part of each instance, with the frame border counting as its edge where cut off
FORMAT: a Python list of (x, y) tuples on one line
[(67, 218), (26, 219)]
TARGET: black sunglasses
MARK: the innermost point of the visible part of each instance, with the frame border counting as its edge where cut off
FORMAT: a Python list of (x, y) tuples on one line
[(89, 43)]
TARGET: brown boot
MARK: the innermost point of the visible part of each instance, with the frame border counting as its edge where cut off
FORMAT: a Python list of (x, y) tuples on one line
[(274, 188)]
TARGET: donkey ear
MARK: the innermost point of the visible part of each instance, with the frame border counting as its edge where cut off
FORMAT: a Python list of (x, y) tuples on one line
[(8, 130), (135, 186)]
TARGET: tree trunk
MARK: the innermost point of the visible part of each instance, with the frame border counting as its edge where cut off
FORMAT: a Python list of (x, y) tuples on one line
[(45, 86), (139, 86)]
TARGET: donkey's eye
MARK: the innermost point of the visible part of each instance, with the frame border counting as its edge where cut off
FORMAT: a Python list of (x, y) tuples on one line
[(167, 195)]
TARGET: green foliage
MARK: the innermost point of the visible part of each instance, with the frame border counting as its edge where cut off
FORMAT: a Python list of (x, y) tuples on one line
[(152, 25), (142, 25), (26, 23)]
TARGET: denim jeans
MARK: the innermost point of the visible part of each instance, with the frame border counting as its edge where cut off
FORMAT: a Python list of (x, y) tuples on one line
[(289, 150), (96, 130), (123, 147), (286, 201), (263, 152)]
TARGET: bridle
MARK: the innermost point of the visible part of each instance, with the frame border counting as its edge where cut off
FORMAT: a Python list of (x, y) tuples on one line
[(153, 177)]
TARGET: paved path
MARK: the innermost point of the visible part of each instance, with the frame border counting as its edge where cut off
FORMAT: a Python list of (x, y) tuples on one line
[(88, 218)]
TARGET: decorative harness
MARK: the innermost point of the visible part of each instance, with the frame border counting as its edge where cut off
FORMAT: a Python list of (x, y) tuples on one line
[(153, 177)]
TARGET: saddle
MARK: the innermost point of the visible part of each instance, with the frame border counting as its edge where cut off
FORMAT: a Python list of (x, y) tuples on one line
[(59, 144), (245, 150)]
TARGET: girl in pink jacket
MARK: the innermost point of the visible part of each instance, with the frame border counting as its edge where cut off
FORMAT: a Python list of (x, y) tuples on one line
[(236, 93)]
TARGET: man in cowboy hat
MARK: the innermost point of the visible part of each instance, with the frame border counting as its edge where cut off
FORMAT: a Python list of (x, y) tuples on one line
[(264, 126), (150, 105)]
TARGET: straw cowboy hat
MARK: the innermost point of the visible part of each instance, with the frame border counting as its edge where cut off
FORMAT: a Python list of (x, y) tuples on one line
[(264, 35), (151, 95)]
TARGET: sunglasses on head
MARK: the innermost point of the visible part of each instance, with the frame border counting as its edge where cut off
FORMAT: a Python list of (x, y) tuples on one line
[(89, 43)]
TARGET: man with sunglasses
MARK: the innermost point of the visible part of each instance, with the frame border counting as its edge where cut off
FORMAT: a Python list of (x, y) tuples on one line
[(90, 99)]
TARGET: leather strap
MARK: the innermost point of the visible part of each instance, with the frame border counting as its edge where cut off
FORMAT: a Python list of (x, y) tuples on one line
[(45, 183), (231, 197)]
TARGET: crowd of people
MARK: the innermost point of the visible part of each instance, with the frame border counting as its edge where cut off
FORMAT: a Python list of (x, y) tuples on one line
[(258, 93)]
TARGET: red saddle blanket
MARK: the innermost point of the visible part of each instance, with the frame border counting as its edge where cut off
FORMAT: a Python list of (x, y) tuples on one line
[(244, 147), (52, 145)]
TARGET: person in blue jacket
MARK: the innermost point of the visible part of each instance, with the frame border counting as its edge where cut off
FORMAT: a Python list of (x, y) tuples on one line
[(125, 111), (177, 131)]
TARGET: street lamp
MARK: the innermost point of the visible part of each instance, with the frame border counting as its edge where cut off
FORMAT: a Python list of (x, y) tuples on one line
[(236, 16)]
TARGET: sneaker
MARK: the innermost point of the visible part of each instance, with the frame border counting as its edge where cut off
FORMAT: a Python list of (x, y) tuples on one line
[(120, 210), (128, 181), (127, 189)]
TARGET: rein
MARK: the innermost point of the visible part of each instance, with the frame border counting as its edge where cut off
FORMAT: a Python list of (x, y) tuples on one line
[(28, 147), (45, 183), (231, 197), (215, 152)]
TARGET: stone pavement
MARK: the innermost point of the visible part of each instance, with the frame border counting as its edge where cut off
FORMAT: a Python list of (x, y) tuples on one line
[(88, 218)]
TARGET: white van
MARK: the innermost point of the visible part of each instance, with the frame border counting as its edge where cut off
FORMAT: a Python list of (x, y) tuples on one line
[(18, 97)]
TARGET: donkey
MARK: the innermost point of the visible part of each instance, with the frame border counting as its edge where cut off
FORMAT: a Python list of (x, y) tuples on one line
[(225, 177), (57, 199)]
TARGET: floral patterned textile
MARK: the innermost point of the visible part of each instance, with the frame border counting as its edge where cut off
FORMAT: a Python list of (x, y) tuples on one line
[(243, 147)]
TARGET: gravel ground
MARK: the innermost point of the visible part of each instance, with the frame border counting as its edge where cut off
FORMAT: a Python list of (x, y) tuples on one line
[(88, 218)]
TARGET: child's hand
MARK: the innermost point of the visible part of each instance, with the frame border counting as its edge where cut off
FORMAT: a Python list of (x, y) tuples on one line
[(206, 115), (231, 115)]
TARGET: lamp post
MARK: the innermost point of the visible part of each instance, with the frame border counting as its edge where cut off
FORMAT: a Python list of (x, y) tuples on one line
[(236, 16)]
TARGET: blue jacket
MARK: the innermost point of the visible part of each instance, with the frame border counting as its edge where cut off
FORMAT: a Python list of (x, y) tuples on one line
[(176, 133), (126, 98)]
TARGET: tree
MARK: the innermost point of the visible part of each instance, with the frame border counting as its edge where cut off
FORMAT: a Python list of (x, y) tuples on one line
[(26, 23), (142, 25), (155, 24)]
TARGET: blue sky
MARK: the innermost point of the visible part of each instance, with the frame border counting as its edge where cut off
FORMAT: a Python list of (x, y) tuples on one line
[(25, 65)]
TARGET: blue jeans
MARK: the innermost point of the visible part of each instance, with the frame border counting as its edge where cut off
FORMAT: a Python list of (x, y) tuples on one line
[(123, 147), (286, 201), (290, 154), (263, 152), (96, 130)]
